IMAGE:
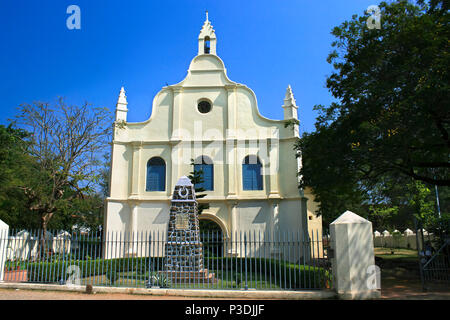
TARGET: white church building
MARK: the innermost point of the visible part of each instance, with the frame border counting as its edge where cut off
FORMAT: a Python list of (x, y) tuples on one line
[(249, 162)]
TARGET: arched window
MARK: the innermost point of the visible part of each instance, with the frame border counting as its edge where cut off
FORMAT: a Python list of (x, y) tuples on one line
[(207, 47), (206, 165), (251, 173), (156, 175)]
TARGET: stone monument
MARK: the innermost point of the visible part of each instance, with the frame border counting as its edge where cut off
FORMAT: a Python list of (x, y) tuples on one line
[(184, 249)]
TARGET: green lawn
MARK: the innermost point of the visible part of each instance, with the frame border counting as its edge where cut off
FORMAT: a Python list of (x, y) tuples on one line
[(405, 255)]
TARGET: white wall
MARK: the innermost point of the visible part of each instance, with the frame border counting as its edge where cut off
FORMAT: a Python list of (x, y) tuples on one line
[(4, 230)]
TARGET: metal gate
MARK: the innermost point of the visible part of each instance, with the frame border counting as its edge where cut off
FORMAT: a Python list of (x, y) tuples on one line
[(434, 260)]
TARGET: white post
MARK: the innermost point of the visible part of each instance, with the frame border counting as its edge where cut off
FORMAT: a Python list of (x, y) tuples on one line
[(4, 232), (355, 274)]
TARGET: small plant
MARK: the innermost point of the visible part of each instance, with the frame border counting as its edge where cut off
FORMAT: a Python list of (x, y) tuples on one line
[(112, 276), (238, 279), (12, 265), (120, 124), (158, 280)]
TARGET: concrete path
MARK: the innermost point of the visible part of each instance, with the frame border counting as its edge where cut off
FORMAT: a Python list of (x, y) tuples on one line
[(161, 294), (391, 290), (410, 289), (24, 294)]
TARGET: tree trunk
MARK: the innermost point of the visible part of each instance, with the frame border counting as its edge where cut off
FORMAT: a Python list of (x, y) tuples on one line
[(42, 242)]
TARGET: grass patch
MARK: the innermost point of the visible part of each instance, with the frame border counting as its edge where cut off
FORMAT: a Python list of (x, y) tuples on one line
[(404, 255)]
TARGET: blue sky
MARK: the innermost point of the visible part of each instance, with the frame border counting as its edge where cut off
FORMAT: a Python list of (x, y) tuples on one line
[(142, 45)]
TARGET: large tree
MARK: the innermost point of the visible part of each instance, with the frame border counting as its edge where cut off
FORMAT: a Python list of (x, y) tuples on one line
[(390, 117), (66, 143), (13, 161)]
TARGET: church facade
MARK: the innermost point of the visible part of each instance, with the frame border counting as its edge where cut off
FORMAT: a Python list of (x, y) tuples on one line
[(248, 161)]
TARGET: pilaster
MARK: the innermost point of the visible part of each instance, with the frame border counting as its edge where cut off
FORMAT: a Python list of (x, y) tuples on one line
[(136, 170), (177, 113)]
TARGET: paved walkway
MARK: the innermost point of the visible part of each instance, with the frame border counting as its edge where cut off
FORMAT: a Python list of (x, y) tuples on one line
[(20, 294), (409, 289), (33, 291), (398, 292), (392, 289)]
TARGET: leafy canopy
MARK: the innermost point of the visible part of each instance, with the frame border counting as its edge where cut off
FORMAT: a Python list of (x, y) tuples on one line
[(390, 119)]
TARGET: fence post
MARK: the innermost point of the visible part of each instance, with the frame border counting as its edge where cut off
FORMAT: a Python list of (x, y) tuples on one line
[(354, 272), (4, 232)]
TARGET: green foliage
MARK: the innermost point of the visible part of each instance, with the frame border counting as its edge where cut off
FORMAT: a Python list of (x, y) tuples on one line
[(419, 200), (120, 124), (439, 227), (105, 175), (196, 177), (112, 276), (54, 271), (87, 212), (273, 269), (16, 264), (276, 270), (393, 92), (49, 178), (14, 167), (389, 125), (395, 202)]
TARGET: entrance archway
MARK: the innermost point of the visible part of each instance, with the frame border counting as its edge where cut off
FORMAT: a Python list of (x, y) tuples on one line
[(212, 236), (207, 225)]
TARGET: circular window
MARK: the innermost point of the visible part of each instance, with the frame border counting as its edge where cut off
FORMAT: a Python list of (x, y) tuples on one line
[(204, 106)]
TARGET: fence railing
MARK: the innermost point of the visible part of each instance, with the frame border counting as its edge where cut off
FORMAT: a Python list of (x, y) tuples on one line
[(436, 267), (243, 260)]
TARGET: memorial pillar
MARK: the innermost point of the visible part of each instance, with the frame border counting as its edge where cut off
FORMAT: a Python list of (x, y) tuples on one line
[(355, 275)]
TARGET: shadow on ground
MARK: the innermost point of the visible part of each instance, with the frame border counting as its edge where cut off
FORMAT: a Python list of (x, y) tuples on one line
[(400, 280)]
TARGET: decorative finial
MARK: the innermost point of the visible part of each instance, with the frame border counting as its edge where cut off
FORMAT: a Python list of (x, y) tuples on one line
[(122, 97), (207, 15), (289, 99), (121, 106)]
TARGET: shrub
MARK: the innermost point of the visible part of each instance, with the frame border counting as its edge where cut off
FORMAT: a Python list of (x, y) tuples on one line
[(56, 270), (276, 270), (112, 276)]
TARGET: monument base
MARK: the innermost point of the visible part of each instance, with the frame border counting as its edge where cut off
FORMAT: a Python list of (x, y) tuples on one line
[(202, 276)]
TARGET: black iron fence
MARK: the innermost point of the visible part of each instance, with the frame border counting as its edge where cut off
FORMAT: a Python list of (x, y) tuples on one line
[(243, 260)]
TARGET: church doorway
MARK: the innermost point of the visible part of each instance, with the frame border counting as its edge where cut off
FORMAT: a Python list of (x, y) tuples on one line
[(211, 237)]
